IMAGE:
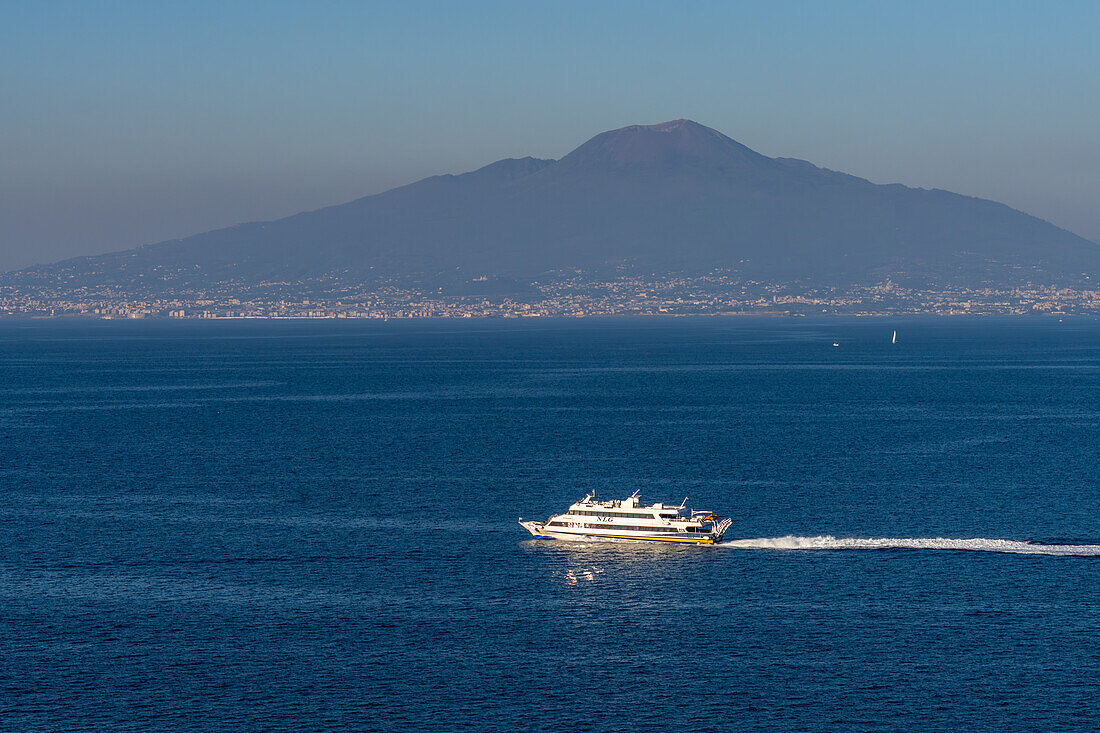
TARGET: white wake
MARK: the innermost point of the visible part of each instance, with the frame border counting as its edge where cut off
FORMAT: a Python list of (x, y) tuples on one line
[(977, 544)]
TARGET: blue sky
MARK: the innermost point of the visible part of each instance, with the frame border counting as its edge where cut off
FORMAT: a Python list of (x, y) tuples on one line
[(127, 123)]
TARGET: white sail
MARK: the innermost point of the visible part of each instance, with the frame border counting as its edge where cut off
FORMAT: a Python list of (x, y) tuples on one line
[(894, 340)]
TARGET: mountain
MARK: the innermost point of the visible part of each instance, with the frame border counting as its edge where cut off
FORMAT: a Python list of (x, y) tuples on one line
[(673, 197)]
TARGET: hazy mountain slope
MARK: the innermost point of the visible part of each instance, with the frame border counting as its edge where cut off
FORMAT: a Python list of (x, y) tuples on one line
[(671, 197)]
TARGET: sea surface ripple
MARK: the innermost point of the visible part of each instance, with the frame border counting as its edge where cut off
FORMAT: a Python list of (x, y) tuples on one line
[(229, 526)]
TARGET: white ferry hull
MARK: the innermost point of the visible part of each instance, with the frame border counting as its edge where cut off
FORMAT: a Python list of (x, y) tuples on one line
[(584, 537), (540, 532), (628, 521)]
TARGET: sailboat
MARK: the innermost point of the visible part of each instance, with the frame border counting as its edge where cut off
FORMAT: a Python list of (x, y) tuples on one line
[(894, 340)]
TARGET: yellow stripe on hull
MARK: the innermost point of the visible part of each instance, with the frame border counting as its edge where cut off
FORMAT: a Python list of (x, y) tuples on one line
[(692, 541), (686, 540)]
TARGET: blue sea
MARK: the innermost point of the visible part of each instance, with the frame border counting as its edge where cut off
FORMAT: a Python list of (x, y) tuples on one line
[(311, 526)]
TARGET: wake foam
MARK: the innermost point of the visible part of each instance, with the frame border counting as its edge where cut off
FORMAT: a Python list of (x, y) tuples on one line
[(979, 544)]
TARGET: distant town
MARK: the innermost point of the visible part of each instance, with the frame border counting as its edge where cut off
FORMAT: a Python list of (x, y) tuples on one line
[(574, 295)]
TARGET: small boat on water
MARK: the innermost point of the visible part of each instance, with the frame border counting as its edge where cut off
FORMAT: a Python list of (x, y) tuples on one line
[(627, 519), (894, 340)]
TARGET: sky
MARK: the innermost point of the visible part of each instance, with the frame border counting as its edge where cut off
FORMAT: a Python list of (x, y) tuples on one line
[(127, 123)]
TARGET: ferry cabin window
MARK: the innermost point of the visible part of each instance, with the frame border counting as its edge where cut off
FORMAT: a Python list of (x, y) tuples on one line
[(631, 528), (613, 513)]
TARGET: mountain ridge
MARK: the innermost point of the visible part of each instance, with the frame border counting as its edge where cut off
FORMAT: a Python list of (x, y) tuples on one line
[(676, 196)]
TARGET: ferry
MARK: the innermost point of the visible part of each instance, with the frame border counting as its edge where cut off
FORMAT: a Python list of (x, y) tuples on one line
[(627, 519)]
